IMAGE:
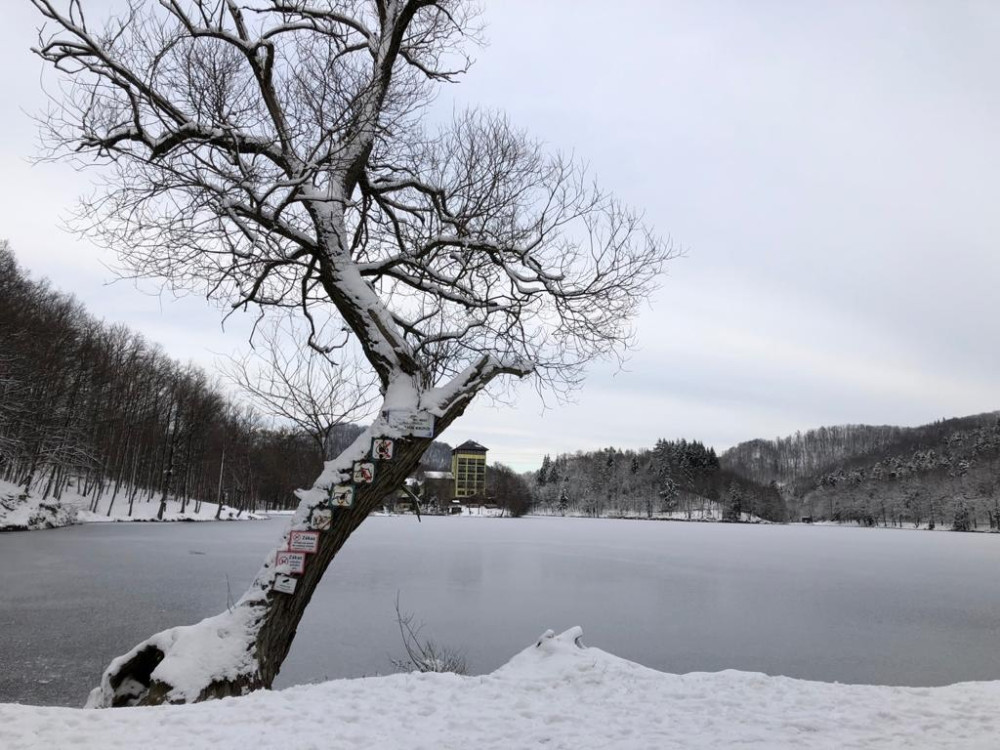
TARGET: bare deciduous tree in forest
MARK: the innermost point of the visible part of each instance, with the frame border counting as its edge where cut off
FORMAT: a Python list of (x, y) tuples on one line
[(95, 410), (297, 385), (278, 154)]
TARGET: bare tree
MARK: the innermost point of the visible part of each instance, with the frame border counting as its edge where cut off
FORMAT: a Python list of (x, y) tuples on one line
[(277, 154), (298, 385), (92, 407)]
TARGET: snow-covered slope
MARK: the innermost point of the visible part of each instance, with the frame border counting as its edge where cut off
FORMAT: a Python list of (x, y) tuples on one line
[(554, 694), (19, 512)]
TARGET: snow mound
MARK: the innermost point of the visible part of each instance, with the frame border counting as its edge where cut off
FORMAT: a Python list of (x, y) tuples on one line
[(554, 694), (21, 512), (30, 514), (550, 652), (180, 661)]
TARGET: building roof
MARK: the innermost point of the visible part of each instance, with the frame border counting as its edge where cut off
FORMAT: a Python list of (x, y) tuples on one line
[(438, 475), (470, 445)]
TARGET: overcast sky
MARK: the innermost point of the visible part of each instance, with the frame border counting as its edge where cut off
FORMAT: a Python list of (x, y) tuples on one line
[(830, 169)]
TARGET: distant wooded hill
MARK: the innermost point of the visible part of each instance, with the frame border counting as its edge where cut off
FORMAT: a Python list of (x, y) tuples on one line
[(947, 472), (941, 474), (99, 408), (674, 479)]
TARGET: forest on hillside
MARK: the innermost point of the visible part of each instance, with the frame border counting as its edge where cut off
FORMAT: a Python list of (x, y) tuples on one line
[(98, 408), (944, 473), (674, 477)]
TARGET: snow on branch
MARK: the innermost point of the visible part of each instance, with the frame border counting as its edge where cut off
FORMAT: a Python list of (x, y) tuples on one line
[(272, 154)]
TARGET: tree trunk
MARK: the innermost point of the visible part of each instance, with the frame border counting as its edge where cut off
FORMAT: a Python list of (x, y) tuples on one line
[(265, 618), (167, 477), (285, 611), (218, 496)]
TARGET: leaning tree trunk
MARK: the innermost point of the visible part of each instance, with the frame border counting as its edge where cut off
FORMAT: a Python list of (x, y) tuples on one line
[(242, 650)]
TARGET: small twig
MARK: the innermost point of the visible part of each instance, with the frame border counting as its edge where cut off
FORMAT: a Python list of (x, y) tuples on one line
[(424, 656)]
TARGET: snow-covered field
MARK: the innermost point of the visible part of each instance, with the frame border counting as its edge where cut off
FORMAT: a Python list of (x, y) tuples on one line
[(554, 694), (18, 512)]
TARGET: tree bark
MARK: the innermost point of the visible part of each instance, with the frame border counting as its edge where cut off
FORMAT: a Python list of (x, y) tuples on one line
[(285, 611)]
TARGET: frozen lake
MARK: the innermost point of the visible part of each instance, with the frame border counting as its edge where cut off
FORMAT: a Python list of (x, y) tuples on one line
[(833, 604)]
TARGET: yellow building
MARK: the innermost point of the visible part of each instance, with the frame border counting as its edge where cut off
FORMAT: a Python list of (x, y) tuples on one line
[(468, 466)]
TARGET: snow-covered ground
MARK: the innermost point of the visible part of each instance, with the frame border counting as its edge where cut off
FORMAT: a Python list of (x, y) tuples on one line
[(480, 511), (554, 694), (940, 526), (18, 512)]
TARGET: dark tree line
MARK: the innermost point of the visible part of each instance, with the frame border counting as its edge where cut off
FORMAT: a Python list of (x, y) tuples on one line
[(956, 483), (802, 454), (509, 490), (808, 454), (97, 409), (945, 473), (674, 478)]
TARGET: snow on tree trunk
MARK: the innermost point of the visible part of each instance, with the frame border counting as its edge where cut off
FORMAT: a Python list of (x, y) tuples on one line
[(242, 650)]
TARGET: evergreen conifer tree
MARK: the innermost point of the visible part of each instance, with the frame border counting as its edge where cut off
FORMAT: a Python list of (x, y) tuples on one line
[(543, 472)]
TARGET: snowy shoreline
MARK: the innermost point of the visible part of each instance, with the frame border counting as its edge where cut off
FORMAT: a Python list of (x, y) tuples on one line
[(20, 512), (554, 694), (32, 514)]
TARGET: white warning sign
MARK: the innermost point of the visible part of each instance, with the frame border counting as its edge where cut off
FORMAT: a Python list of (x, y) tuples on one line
[(342, 496), (382, 449), (303, 541), (364, 473), (411, 422), (291, 562)]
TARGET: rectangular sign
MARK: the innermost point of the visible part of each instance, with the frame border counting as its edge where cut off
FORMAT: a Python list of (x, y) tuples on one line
[(411, 422), (364, 473), (342, 496), (382, 449), (321, 519), (293, 562), (303, 541), (284, 584)]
